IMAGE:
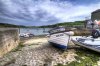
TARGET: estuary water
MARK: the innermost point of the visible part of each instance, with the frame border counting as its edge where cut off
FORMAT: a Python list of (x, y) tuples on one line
[(35, 31)]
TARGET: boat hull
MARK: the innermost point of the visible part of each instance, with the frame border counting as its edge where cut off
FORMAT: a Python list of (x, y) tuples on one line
[(59, 40), (88, 46), (60, 46)]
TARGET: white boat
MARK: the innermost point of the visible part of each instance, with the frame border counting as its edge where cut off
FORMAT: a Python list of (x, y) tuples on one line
[(59, 38), (87, 42), (26, 35)]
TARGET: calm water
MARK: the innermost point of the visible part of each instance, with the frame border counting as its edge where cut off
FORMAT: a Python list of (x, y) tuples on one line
[(35, 31)]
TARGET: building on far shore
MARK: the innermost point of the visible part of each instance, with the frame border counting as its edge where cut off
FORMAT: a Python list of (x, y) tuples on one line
[(95, 15)]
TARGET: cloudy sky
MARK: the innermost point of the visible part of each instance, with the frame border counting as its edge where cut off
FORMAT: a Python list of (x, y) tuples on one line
[(44, 12)]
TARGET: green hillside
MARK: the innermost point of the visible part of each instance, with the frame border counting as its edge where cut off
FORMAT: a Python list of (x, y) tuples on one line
[(69, 24), (10, 25)]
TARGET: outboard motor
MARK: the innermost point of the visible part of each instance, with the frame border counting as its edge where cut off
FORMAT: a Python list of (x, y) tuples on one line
[(95, 33)]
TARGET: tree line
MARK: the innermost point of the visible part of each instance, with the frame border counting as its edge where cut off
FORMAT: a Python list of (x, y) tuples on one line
[(69, 24), (10, 25)]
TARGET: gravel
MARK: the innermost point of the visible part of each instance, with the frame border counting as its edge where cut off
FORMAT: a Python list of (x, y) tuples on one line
[(38, 55)]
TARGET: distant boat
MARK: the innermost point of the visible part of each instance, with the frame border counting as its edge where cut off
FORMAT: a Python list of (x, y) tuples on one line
[(58, 37), (26, 35)]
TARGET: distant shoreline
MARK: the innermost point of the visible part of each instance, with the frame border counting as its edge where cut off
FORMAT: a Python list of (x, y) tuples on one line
[(68, 24)]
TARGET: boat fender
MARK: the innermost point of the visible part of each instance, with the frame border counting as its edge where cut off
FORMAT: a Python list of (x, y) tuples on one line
[(95, 33), (70, 33)]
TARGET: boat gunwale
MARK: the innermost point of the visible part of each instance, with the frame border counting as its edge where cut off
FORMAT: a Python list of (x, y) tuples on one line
[(86, 46)]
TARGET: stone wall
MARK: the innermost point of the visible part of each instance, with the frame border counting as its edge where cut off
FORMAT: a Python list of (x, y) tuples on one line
[(9, 39)]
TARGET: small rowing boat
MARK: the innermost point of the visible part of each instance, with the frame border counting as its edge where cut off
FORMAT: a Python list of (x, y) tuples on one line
[(87, 42), (59, 37)]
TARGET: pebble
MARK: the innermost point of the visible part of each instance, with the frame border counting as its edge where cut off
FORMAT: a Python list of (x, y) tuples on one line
[(40, 55)]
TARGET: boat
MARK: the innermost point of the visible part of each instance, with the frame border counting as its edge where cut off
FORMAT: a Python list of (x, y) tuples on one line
[(87, 42), (92, 41), (59, 37), (26, 35)]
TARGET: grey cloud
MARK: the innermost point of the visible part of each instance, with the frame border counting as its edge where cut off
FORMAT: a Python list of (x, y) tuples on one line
[(29, 11), (41, 12)]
